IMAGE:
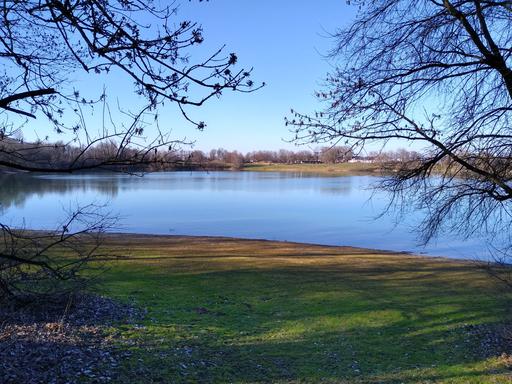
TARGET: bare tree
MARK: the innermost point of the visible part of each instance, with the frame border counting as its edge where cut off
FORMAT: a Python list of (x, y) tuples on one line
[(333, 155), (51, 264), (437, 73), (43, 44)]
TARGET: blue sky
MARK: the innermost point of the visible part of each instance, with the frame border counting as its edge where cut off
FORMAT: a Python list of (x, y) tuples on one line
[(284, 41)]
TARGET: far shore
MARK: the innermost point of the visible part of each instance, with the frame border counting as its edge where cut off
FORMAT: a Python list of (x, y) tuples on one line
[(338, 169), (320, 169)]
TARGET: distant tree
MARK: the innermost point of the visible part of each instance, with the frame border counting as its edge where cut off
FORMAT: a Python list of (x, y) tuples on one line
[(212, 155), (221, 154), (328, 155), (43, 44), (438, 74), (285, 156), (331, 155), (267, 156), (197, 157), (305, 156), (235, 159)]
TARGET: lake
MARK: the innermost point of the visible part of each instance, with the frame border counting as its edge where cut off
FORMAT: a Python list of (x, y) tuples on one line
[(262, 205)]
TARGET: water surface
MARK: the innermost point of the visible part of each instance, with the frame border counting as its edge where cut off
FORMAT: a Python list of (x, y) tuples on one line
[(265, 205)]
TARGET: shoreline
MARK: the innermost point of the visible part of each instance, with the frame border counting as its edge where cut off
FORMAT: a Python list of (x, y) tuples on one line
[(377, 251), (334, 170), (130, 236)]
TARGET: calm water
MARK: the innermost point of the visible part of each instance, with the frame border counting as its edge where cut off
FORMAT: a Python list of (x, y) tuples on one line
[(275, 206)]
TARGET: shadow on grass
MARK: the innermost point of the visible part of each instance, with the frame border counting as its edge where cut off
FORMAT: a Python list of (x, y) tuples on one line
[(412, 323)]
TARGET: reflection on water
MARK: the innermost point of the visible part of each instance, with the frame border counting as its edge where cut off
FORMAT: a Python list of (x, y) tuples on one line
[(275, 206), (16, 189)]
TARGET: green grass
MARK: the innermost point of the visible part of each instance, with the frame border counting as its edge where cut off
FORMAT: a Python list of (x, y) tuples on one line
[(241, 311), (342, 169)]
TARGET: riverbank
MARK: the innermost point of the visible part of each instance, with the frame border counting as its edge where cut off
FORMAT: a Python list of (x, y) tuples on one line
[(251, 311), (340, 169)]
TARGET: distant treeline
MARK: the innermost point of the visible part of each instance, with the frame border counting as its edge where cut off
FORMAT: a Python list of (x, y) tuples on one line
[(325, 155), (107, 155)]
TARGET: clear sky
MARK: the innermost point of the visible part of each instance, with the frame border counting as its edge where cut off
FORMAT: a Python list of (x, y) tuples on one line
[(284, 41)]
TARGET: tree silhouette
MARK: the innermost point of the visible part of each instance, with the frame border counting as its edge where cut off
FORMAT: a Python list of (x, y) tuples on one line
[(436, 73), (43, 45)]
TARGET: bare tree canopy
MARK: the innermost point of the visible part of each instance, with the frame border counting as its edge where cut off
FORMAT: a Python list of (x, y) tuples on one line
[(437, 73), (43, 46), (43, 43), (50, 264)]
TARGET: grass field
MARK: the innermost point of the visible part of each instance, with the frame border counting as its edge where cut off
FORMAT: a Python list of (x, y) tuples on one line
[(242, 311), (342, 169)]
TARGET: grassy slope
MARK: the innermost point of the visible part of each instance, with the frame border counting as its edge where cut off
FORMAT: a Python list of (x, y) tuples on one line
[(241, 311), (342, 169)]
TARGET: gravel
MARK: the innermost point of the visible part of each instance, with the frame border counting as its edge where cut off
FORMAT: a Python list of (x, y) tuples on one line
[(63, 342)]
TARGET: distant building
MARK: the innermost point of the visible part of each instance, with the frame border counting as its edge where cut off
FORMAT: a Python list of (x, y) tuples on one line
[(362, 159)]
